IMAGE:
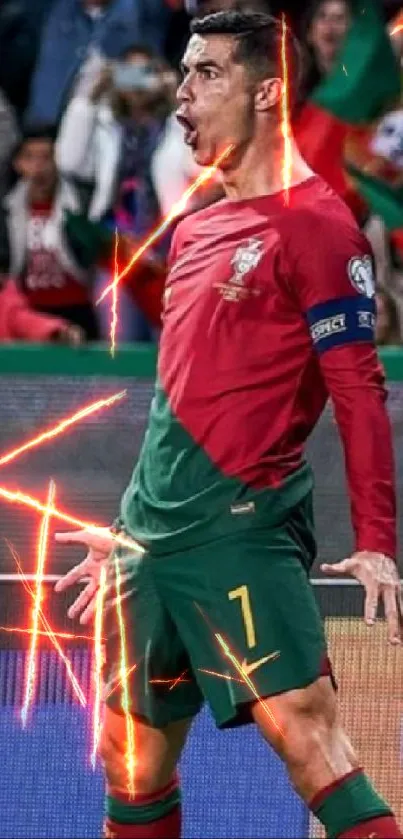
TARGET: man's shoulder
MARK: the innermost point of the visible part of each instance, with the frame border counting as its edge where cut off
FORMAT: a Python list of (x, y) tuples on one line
[(193, 220), (319, 217)]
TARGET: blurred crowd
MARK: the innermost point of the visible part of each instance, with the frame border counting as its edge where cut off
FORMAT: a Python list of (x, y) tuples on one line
[(89, 146)]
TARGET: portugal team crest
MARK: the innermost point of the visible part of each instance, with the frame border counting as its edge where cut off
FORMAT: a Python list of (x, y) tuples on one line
[(245, 259), (361, 275)]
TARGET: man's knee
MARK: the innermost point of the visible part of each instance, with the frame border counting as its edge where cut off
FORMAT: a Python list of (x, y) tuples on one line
[(156, 753), (304, 722)]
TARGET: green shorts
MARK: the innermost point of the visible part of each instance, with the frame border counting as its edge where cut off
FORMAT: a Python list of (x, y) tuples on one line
[(197, 621)]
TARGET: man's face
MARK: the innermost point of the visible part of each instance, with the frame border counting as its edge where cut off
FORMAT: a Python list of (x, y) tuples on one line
[(139, 99), (216, 101), (36, 164), (328, 29)]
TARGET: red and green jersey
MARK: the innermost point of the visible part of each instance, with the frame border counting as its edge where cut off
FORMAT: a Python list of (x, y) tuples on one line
[(269, 309)]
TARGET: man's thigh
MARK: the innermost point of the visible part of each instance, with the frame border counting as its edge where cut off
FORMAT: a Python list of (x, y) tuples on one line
[(247, 616), (147, 669)]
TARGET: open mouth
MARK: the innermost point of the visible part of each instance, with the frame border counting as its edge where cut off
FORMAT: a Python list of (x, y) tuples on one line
[(189, 128)]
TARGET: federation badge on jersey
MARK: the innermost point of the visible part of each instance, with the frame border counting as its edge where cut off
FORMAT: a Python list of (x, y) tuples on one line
[(247, 256), (360, 271), (245, 259)]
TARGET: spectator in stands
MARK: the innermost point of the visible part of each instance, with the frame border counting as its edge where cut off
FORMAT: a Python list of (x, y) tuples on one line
[(21, 24), (107, 140), (38, 251), (75, 29), (109, 133), (8, 139), (387, 325), (19, 322), (323, 31)]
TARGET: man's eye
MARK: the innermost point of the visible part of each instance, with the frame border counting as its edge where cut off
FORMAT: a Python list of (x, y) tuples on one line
[(208, 73)]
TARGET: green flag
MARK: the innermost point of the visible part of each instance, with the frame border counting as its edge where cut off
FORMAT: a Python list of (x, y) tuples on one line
[(383, 199), (365, 81)]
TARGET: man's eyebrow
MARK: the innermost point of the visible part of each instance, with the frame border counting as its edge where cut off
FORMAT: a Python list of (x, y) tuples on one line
[(201, 65)]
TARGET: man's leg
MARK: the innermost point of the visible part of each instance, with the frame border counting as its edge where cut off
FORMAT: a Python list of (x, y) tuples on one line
[(322, 764), (154, 811), (147, 805)]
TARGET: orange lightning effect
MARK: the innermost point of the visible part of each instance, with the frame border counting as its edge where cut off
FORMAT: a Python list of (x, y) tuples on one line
[(175, 211), (17, 497), (98, 662), (32, 662), (114, 308), (397, 29), (225, 676), (125, 701), (50, 634), (238, 667), (65, 635), (61, 426), (120, 682), (285, 121)]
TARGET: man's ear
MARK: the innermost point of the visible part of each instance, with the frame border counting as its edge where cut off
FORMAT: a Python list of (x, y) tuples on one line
[(268, 94)]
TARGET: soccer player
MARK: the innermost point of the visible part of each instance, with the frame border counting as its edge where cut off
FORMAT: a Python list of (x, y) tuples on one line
[(269, 309)]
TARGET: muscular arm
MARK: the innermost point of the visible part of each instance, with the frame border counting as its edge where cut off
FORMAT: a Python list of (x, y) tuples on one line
[(336, 292), (354, 381)]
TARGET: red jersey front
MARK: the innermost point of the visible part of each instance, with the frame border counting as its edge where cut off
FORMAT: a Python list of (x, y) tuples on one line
[(269, 309)]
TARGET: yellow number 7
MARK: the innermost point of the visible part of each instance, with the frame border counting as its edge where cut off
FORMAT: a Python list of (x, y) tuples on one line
[(243, 594)]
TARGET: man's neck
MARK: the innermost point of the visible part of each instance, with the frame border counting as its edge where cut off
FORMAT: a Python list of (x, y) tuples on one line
[(262, 171)]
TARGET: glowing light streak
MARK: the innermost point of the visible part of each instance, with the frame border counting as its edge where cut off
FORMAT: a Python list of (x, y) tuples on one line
[(248, 681), (114, 306), (175, 211), (285, 120), (125, 699), (178, 680), (18, 497), (68, 636), (32, 662), (120, 683), (396, 30), (344, 70), (98, 663), (221, 675), (74, 683), (61, 427)]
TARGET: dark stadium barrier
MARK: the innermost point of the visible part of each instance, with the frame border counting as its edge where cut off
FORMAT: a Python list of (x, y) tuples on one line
[(48, 787)]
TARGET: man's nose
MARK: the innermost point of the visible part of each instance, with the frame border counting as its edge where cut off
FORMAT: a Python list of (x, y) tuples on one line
[(183, 94)]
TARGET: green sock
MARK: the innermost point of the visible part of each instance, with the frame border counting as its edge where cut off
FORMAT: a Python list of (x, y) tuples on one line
[(348, 802)]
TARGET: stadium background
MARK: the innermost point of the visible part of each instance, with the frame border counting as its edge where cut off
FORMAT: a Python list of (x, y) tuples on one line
[(47, 786)]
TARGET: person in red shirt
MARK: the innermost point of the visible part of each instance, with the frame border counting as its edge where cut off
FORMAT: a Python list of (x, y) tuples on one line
[(269, 310), (40, 255), (19, 322)]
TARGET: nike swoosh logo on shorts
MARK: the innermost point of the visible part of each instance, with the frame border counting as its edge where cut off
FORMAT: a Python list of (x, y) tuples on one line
[(254, 665)]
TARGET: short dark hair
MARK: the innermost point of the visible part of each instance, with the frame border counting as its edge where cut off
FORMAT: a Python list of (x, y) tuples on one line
[(32, 132), (258, 39)]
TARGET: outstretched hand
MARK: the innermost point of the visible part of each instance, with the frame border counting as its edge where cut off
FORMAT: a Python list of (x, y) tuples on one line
[(99, 547), (379, 576)]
